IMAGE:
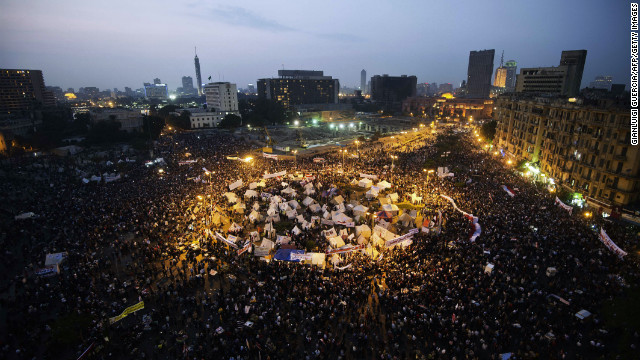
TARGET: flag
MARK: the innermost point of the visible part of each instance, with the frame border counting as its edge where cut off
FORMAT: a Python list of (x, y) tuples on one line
[(209, 77)]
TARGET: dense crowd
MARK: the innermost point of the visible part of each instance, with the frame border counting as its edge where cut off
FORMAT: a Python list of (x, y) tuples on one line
[(139, 239)]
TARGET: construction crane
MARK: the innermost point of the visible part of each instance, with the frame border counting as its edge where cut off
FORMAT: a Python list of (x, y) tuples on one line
[(303, 144), (270, 141)]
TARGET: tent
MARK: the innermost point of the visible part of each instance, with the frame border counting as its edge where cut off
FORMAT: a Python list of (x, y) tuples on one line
[(55, 258), (239, 207), (288, 191), (361, 240), (291, 214), (300, 219), (376, 240), (354, 182), (216, 219), (384, 185), (326, 215), (307, 201), (250, 194), (234, 227), (293, 204), (405, 219), (306, 225), (231, 197), (317, 258), (373, 192), (295, 230), (341, 218), (390, 208), (384, 201), (363, 230), (393, 197), (336, 242), (273, 218), (338, 200), (268, 228), (371, 252), (365, 183), (256, 206), (384, 215), (335, 259), (253, 185), (360, 210), (266, 243), (315, 208), (309, 191), (255, 216)]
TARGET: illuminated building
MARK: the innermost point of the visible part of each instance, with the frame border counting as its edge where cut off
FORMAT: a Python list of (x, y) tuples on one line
[(198, 76), (23, 90), (156, 91), (300, 87), (448, 106), (222, 96), (582, 144), (479, 73), (563, 80), (510, 82), (363, 81)]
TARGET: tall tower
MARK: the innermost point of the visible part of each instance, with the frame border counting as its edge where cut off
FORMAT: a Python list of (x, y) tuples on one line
[(363, 81), (501, 74), (198, 76), (479, 73)]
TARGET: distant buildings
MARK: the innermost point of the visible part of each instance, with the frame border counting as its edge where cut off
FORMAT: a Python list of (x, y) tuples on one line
[(500, 79), (510, 82), (583, 145), (602, 82), (390, 91), (23, 90), (187, 88), (157, 81), (300, 87), (198, 76), (479, 73), (423, 89), (363, 81), (156, 91), (445, 88), (130, 121), (206, 118), (448, 107), (433, 88), (251, 89), (222, 96), (562, 80)]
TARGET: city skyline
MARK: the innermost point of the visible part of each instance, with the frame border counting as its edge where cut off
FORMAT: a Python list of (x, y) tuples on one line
[(77, 44)]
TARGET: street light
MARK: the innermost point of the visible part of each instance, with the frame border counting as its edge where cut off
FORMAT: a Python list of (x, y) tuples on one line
[(393, 157), (357, 149), (295, 157)]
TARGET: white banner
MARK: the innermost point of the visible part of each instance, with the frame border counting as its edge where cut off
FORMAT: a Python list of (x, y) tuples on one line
[(343, 250), (372, 177), (345, 223), (564, 206), (610, 244), (245, 248), (301, 257), (223, 239), (399, 239), (269, 176), (270, 156), (235, 185)]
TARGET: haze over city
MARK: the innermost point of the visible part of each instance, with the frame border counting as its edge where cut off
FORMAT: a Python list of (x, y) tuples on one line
[(79, 43)]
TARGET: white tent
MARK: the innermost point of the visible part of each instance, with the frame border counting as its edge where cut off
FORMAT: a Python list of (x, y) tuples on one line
[(371, 251), (384, 200), (300, 219), (256, 206), (255, 216), (376, 240), (273, 218), (315, 208), (365, 183), (234, 227), (291, 214), (308, 185), (288, 191), (306, 225), (276, 199), (294, 204), (405, 219), (336, 242), (360, 210), (317, 258), (373, 192), (266, 243), (239, 208), (309, 191), (393, 197), (363, 230), (338, 200), (335, 259), (268, 228), (384, 185), (354, 182), (250, 194), (295, 230), (390, 208), (253, 185), (231, 197), (326, 215), (307, 201), (361, 240), (341, 218)]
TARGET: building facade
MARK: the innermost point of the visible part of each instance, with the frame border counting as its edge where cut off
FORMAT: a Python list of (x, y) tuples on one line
[(205, 118), (563, 80), (297, 87), (130, 121), (23, 90), (448, 107), (574, 61), (510, 82), (584, 147), (602, 82), (363, 81), (391, 91), (156, 91), (196, 61), (222, 96), (500, 80), (479, 73)]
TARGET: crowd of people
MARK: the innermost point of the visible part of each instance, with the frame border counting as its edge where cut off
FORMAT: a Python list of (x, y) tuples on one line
[(140, 239)]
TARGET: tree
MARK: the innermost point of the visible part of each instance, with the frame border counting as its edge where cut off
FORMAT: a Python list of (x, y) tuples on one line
[(105, 132), (230, 121), (153, 126), (488, 130)]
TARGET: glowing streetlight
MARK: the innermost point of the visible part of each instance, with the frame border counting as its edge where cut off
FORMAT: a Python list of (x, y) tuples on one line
[(393, 158), (509, 162), (296, 123)]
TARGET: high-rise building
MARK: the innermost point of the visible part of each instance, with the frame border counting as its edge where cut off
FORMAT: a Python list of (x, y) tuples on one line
[(390, 91), (22, 89), (510, 82), (156, 91), (556, 80), (198, 76), (602, 82), (445, 88), (500, 79), (479, 73), (222, 96), (251, 89), (187, 83), (300, 87), (363, 80), (582, 145), (433, 88), (574, 61), (157, 81)]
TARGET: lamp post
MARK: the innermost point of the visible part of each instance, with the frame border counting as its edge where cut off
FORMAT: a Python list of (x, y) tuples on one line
[(357, 148), (393, 157), (343, 152), (295, 157)]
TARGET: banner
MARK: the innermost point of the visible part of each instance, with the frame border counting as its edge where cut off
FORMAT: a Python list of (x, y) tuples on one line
[(344, 267), (326, 222), (345, 223), (127, 311), (509, 191), (301, 257), (399, 239), (610, 244), (223, 239), (372, 177), (245, 248), (564, 206), (48, 270), (261, 251), (476, 232), (269, 176), (235, 185), (186, 162), (318, 160), (270, 156), (344, 250)]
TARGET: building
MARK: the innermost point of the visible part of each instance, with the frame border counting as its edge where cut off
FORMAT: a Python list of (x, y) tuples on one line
[(187, 83), (130, 120), (423, 89), (602, 82), (251, 89), (433, 88), (300, 87), (23, 90), (448, 107), (206, 118), (574, 61), (90, 92), (222, 96), (479, 73), (500, 80), (391, 91), (582, 145), (363, 81), (445, 88), (510, 81), (157, 81), (156, 91), (563, 80), (198, 76)]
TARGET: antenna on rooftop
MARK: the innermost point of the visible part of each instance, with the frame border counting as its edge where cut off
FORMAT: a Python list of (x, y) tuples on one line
[(502, 58)]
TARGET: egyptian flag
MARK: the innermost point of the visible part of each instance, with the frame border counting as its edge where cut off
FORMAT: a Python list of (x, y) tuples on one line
[(508, 190)]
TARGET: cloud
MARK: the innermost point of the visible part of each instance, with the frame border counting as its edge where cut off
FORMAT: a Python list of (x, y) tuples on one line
[(239, 16)]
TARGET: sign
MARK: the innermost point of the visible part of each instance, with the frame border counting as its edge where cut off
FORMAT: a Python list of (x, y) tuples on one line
[(261, 251), (606, 240), (228, 242), (244, 248), (235, 185), (399, 239), (270, 156), (318, 160), (131, 309), (344, 250), (278, 174), (564, 206), (48, 270), (301, 257)]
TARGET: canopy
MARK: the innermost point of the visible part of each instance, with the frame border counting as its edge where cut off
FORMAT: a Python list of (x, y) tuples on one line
[(255, 216), (390, 207), (231, 197), (373, 192), (315, 208), (363, 230), (295, 230), (266, 243), (293, 204), (336, 242), (250, 194), (393, 197), (307, 201), (365, 183), (341, 218), (291, 214), (384, 184), (405, 219), (338, 199), (384, 215)]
